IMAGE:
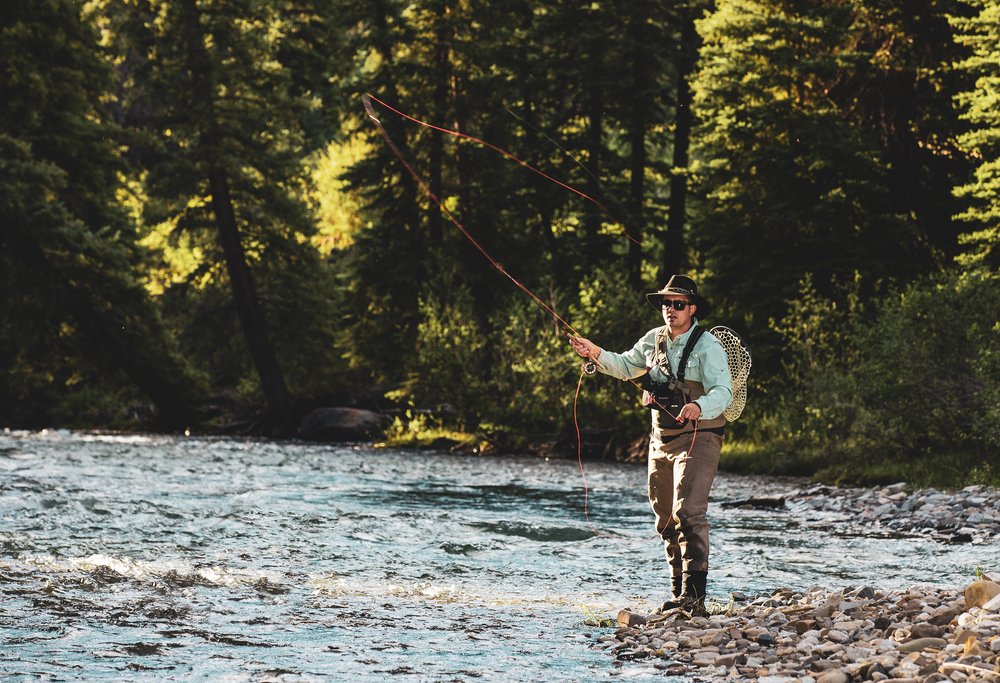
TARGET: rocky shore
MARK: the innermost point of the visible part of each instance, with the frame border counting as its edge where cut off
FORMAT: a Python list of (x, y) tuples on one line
[(820, 636), (970, 515)]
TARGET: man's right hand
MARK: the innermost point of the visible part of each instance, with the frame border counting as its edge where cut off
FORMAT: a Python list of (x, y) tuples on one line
[(585, 347)]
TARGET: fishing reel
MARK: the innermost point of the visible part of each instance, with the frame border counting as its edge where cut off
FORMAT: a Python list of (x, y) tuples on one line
[(589, 367)]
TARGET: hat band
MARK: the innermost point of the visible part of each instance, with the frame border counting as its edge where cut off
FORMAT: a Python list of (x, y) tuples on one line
[(677, 290)]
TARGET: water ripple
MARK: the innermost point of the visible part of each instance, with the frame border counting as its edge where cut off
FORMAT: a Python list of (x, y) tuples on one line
[(153, 557)]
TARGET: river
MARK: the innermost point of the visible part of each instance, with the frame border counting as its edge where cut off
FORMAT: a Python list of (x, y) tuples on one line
[(146, 557)]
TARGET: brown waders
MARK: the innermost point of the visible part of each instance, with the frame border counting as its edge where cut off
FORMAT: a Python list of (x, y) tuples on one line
[(680, 478)]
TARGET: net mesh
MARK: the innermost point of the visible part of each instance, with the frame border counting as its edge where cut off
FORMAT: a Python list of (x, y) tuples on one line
[(739, 367)]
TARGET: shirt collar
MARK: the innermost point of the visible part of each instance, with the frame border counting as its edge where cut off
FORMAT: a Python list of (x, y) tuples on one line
[(681, 338)]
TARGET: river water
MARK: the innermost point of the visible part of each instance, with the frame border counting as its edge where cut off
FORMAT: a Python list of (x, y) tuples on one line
[(170, 558)]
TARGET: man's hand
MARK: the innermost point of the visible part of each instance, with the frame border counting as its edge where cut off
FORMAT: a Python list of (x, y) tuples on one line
[(585, 347), (647, 398), (691, 411)]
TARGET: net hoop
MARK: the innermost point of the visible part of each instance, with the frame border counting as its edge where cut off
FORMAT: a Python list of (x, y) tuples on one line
[(738, 355)]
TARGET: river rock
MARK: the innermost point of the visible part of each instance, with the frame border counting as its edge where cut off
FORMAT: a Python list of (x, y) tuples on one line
[(627, 618), (834, 677), (980, 593), (343, 424), (957, 517), (748, 642), (926, 631), (919, 644)]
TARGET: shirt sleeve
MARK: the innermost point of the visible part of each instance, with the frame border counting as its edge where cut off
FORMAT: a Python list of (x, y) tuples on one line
[(717, 381), (630, 364)]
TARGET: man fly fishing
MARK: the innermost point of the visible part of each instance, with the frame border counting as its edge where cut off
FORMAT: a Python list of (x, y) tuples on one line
[(686, 382)]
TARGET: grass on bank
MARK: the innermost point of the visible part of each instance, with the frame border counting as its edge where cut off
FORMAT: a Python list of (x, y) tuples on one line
[(946, 470), (422, 431), (739, 455)]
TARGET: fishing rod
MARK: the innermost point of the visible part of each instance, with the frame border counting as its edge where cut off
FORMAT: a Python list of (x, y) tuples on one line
[(600, 184), (368, 98), (591, 365)]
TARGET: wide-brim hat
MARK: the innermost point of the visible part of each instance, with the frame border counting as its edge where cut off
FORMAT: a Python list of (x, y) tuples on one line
[(684, 286)]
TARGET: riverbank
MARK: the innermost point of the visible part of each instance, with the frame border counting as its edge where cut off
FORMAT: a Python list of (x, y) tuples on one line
[(969, 515), (739, 456), (921, 633), (821, 636)]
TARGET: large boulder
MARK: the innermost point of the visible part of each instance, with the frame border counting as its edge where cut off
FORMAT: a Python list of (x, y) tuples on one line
[(343, 424)]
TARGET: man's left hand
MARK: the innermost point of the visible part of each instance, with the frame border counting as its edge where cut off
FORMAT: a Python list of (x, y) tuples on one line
[(691, 411)]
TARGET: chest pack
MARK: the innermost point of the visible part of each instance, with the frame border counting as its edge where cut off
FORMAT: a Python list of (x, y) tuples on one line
[(670, 395)]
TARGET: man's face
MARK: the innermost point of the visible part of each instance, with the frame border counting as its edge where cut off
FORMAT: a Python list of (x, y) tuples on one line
[(672, 317)]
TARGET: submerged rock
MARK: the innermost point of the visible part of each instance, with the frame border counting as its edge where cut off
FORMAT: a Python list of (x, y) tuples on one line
[(342, 424)]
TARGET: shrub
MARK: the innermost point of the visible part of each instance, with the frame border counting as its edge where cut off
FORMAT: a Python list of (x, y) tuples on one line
[(908, 390)]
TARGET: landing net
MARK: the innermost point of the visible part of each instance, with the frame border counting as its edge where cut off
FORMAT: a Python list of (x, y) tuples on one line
[(739, 367)]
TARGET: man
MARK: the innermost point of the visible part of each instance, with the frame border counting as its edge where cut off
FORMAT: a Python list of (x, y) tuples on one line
[(682, 464)]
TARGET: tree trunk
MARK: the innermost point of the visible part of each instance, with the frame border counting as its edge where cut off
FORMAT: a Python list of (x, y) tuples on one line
[(675, 253), (241, 280), (440, 112), (637, 141), (247, 305)]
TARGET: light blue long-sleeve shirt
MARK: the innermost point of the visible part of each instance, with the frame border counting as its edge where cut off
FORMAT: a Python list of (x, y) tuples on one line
[(707, 364)]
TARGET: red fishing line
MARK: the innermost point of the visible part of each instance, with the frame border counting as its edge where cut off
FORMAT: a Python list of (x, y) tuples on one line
[(465, 136), (367, 100)]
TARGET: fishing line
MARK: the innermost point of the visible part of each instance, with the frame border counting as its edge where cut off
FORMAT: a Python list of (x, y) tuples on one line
[(561, 148), (600, 184), (367, 100)]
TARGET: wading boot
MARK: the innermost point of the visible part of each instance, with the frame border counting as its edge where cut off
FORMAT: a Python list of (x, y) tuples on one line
[(676, 593), (695, 588), (692, 598)]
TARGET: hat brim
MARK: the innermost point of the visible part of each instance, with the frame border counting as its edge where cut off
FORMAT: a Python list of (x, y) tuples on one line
[(655, 300)]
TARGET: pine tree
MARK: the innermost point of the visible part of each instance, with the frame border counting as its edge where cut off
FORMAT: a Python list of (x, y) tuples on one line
[(386, 263), (789, 186), (70, 255), (210, 93), (902, 96), (981, 33)]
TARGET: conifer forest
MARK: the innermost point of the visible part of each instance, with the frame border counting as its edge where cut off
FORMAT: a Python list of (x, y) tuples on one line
[(202, 229)]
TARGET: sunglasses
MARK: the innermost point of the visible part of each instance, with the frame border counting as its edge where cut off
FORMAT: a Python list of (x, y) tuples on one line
[(676, 304)]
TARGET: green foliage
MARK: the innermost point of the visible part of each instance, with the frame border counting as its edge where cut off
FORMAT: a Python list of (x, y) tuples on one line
[(533, 376), (83, 325), (516, 375), (789, 185), (909, 389), (618, 317), (981, 33), (450, 365)]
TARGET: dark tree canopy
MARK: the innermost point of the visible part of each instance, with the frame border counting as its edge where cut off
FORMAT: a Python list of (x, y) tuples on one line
[(201, 226)]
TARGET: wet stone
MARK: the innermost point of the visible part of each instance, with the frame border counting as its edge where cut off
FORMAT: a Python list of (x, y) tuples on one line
[(885, 636), (919, 644), (859, 633)]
